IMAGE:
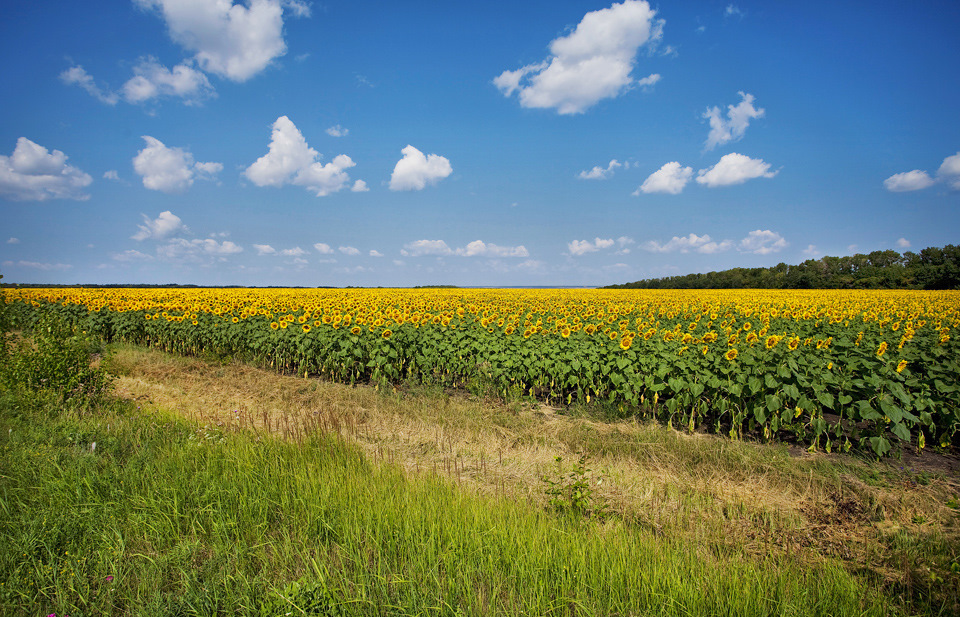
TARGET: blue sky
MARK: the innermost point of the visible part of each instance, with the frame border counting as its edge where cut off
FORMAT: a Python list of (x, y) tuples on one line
[(284, 142)]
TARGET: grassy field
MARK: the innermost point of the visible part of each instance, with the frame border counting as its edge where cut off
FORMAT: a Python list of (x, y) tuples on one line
[(202, 487)]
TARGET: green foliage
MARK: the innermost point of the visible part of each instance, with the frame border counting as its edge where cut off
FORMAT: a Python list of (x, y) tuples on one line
[(303, 597), (931, 268), (573, 493), (54, 357)]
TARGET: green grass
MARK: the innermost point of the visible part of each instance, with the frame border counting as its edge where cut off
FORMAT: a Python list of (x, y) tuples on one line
[(165, 517)]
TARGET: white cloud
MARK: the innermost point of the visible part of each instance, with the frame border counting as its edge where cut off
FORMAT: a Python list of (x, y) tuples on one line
[(415, 171), (111, 175), (375, 253), (359, 187), (811, 250), (735, 125), (159, 228), (323, 249), (337, 131), (599, 173), (130, 255), (151, 80), (624, 243), (170, 170), (592, 63), (425, 247), (349, 250), (290, 160), (917, 179), (582, 247), (13, 241), (198, 251), (480, 248), (264, 249), (477, 248), (294, 252), (908, 181), (33, 173), (762, 242), (903, 243), (685, 244), (37, 265), (229, 40), (949, 171), (732, 169), (671, 178), (77, 75)]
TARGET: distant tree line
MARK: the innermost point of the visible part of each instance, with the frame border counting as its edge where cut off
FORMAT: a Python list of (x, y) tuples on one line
[(931, 268)]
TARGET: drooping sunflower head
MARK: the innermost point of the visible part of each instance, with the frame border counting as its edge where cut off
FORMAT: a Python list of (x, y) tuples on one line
[(902, 365), (731, 354), (882, 349)]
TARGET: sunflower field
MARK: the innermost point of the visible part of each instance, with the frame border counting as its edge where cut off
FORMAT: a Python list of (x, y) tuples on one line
[(829, 369)]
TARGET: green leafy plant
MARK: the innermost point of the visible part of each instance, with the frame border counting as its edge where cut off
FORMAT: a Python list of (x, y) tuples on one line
[(572, 493)]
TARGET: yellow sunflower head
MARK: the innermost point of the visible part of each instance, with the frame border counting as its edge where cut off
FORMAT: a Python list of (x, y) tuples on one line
[(731, 354)]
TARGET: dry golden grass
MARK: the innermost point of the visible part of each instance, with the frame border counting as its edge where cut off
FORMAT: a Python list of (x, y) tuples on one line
[(695, 487)]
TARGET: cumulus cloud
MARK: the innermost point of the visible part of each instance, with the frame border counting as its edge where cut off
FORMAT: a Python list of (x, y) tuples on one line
[(762, 242), (78, 76), (685, 244), (582, 247), (599, 173), (592, 63), (415, 171), (229, 40), (13, 241), (349, 250), (264, 249), (323, 249), (170, 170), (159, 228), (732, 169), (477, 248), (908, 181), (337, 131), (290, 160), (375, 253), (151, 80), (33, 173), (294, 252), (671, 178), (197, 250), (949, 172), (903, 243), (111, 175), (733, 127), (359, 187), (811, 250)]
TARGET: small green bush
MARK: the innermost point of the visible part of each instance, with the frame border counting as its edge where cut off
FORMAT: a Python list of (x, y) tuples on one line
[(55, 358)]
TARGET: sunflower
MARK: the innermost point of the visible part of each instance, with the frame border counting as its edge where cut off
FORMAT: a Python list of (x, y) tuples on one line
[(731, 354), (274, 325), (625, 343), (771, 341), (902, 365), (794, 343), (355, 330), (882, 349), (565, 332), (306, 328), (386, 333)]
